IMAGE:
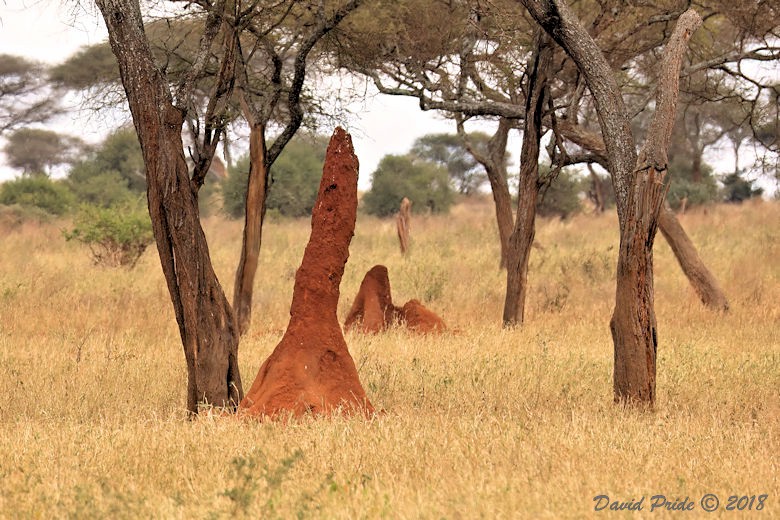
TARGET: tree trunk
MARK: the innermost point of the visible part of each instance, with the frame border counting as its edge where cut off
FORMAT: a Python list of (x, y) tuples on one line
[(702, 280), (638, 183), (494, 163), (522, 237), (699, 276), (502, 199), (202, 312), (256, 194), (599, 199), (633, 324)]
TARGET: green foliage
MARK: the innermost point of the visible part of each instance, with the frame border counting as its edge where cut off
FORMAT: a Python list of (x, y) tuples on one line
[(114, 173), (116, 236), (234, 189), (447, 150), (561, 198), (737, 189), (684, 185), (42, 193), (93, 186), (247, 473), (295, 177), (92, 65), (425, 184)]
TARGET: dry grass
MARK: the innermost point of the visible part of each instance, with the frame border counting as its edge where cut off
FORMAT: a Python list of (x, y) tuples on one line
[(479, 422)]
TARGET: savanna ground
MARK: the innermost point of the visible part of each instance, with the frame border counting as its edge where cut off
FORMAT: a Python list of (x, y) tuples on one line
[(479, 422)]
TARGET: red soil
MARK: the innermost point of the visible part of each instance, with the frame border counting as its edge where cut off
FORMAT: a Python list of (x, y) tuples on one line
[(311, 370)]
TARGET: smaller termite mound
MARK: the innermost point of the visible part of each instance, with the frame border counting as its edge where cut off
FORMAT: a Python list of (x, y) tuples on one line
[(311, 370), (373, 311), (421, 319)]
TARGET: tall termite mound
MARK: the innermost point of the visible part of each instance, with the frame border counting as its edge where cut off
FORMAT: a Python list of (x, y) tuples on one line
[(311, 370), (373, 310)]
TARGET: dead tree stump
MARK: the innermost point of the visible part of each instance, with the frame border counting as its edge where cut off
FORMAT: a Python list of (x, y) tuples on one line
[(403, 223), (311, 370)]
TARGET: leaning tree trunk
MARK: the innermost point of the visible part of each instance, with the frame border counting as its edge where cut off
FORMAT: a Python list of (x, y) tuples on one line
[(494, 163), (702, 280), (256, 194), (522, 238), (202, 312)]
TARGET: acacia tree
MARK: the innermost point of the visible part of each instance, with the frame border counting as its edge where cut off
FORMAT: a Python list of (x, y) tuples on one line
[(478, 68), (204, 316), (639, 187), (271, 81), (269, 47), (24, 94), (36, 151)]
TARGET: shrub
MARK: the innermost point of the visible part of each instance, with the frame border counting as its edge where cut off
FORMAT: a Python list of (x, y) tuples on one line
[(561, 198), (38, 192), (695, 193), (116, 236), (737, 189), (425, 184), (295, 174), (698, 190)]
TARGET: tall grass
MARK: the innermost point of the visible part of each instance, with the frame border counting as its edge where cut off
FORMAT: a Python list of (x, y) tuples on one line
[(478, 422)]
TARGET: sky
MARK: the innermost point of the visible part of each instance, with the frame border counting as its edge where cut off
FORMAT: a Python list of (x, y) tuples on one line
[(50, 31)]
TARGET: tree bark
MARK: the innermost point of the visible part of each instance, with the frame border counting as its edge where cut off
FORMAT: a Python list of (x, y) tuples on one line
[(633, 324), (202, 312), (259, 115), (702, 280), (522, 237), (256, 195)]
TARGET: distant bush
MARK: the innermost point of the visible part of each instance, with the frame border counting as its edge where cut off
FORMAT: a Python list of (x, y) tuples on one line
[(562, 197), (737, 189), (116, 236), (683, 186), (39, 192), (694, 193), (98, 188), (296, 178), (425, 184)]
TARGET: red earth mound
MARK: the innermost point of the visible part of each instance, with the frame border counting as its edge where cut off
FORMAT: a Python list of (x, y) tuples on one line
[(311, 370), (373, 309), (420, 319)]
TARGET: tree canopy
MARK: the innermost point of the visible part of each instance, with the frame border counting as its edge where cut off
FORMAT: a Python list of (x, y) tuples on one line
[(424, 183)]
